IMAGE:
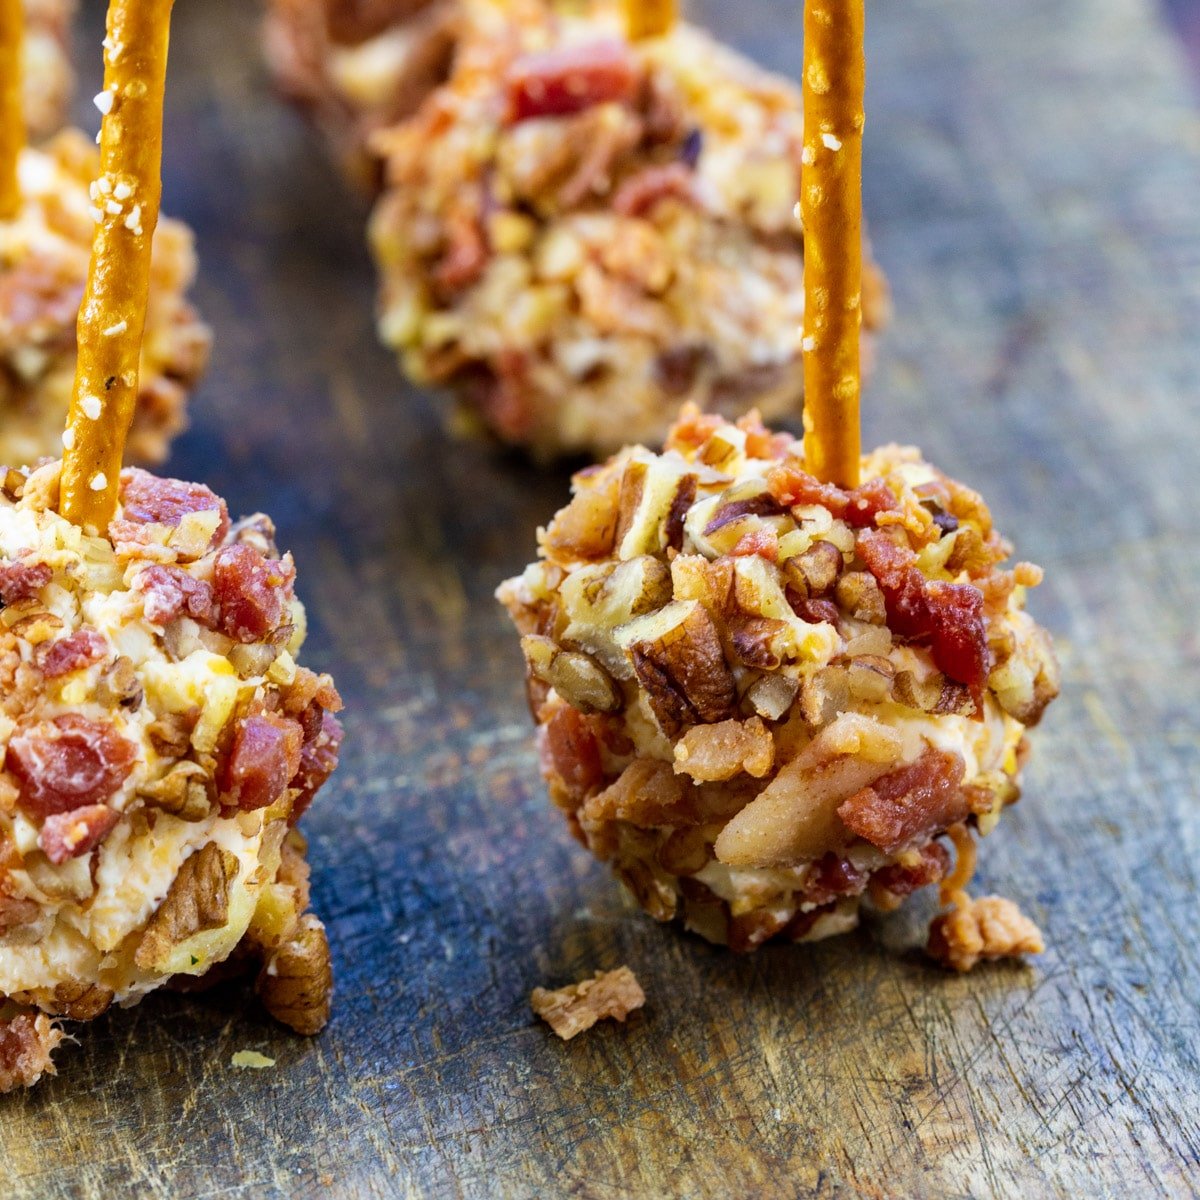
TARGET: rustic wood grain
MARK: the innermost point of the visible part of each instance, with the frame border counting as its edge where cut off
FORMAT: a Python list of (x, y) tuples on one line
[(1033, 174)]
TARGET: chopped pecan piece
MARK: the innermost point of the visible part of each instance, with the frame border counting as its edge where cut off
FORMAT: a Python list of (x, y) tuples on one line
[(119, 685), (78, 1001), (676, 654), (296, 984), (984, 929), (574, 1009), (198, 899), (185, 791), (815, 571), (577, 677)]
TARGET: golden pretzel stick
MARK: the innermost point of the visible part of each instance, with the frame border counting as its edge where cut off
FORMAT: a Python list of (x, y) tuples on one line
[(831, 213), (126, 198), (12, 115), (649, 18)]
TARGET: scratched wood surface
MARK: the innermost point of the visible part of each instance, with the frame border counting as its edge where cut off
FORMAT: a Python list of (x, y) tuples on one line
[(1034, 171)]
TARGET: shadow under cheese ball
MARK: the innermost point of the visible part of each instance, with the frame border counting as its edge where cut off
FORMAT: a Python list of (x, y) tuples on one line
[(44, 252), (578, 233), (159, 742), (765, 699)]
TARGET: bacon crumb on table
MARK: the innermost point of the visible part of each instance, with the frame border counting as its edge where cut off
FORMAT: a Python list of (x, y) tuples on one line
[(27, 1040), (982, 930), (573, 1009), (759, 743)]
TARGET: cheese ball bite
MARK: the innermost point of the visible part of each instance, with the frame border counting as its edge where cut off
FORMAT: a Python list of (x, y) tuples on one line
[(159, 743), (579, 232), (764, 699), (357, 66), (47, 78), (44, 254)]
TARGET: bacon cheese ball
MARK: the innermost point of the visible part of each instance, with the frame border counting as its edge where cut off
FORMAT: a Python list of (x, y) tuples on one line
[(762, 698), (578, 233), (357, 66), (44, 256), (47, 79), (159, 743)]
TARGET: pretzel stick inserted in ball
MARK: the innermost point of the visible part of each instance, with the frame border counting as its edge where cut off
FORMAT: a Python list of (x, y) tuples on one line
[(831, 213), (649, 18), (125, 206), (12, 115)]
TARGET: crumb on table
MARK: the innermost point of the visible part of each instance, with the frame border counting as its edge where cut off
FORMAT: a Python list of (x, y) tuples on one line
[(982, 930), (577, 1007)]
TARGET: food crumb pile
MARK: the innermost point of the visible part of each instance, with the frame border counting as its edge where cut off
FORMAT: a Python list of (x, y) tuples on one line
[(160, 742), (765, 700)]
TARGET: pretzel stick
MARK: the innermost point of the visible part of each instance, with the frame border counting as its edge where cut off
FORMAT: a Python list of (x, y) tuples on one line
[(831, 213), (649, 18), (12, 114), (126, 198)]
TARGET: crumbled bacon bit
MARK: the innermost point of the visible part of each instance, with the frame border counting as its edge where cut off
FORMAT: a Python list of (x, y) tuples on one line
[(959, 635), (263, 760), (68, 763), (763, 541), (760, 441), (72, 834), (253, 591), (172, 592), (465, 254), (832, 876), (574, 1009), (985, 929), (26, 1043), (949, 615), (692, 429), (919, 799), (318, 758), (21, 580), (572, 752), (80, 649), (889, 884), (641, 192), (791, 485), (569, 79), (153, 499)]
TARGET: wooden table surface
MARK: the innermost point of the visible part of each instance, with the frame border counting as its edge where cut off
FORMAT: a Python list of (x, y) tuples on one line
[(1034, 169)]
